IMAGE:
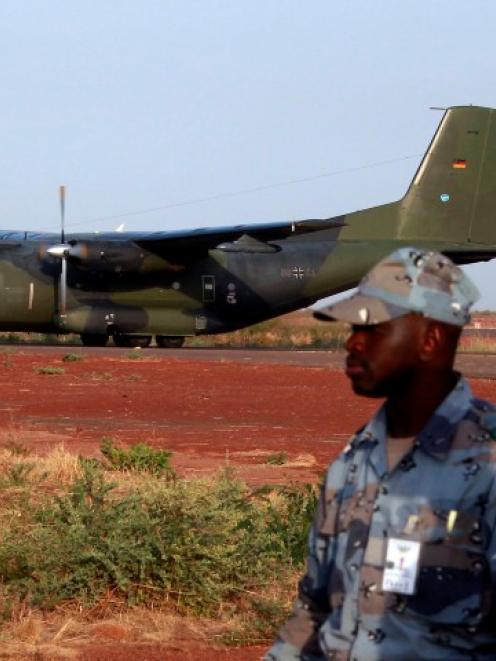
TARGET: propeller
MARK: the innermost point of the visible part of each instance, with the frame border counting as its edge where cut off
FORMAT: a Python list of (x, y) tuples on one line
[(61, 251)]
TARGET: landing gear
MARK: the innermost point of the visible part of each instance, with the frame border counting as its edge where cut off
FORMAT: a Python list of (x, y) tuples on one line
[(132, 341), (169, 341), (93, 339)]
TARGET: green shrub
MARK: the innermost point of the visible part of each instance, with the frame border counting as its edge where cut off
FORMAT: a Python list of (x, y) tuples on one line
[(139, 457), (289, 520), (193, 544)]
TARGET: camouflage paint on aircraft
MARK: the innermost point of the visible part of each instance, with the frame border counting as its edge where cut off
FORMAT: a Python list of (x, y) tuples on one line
[(132, 285)]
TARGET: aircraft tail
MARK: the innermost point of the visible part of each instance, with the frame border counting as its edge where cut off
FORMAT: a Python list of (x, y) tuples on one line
[(452, 198)]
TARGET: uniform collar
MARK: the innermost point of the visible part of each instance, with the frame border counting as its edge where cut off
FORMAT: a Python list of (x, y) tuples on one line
[(435, 438)]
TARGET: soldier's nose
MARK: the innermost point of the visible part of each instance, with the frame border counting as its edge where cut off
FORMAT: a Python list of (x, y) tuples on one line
[(355, 342)]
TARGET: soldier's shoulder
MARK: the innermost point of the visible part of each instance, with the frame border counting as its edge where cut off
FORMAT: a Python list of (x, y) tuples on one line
[(483, 413)]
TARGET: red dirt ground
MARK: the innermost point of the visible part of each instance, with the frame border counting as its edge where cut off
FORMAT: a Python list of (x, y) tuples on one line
[(208, 413)]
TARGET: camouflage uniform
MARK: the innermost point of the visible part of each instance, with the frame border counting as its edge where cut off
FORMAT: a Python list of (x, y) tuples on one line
[(441, 494), (341, 612)]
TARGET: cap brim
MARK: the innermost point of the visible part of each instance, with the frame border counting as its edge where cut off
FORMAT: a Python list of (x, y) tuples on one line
[(361, 310)]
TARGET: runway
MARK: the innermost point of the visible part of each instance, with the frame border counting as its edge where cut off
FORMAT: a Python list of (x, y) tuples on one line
[(482, 366)]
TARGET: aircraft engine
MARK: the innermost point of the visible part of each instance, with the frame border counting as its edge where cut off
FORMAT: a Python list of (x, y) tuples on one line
[(116, 256), (108, 256)]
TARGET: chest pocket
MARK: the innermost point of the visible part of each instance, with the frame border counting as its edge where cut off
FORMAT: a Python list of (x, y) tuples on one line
[(454, 580)]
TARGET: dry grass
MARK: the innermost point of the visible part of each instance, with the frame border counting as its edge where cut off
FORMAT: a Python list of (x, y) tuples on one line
[(298, 330), (30, 633), (477, 344), (58, 468), (62, 635), (53, 471)]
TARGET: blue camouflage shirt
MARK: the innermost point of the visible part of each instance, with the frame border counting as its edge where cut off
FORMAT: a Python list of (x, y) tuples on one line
[(441, 494)]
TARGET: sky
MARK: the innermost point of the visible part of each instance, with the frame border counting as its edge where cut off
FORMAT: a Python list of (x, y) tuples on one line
[(168, 114)]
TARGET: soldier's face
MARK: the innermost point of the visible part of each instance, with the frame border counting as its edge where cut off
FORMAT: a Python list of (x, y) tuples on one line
[(381, 357)]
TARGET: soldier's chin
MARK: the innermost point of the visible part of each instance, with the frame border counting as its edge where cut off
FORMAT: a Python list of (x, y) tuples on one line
[(367, 389)]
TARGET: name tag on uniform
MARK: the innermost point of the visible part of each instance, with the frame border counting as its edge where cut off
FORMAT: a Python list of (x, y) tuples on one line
[(401, 568)]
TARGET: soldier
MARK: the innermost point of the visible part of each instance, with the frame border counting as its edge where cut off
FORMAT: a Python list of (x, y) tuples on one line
[(402, 552)]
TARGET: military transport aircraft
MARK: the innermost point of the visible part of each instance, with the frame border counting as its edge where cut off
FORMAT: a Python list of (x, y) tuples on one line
[(133, 285)]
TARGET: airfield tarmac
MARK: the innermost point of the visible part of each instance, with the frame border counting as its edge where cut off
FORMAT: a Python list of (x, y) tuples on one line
[(211, 407)]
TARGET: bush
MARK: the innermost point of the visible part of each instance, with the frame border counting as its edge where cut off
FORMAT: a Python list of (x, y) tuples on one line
[(192, 544), (139, 457)]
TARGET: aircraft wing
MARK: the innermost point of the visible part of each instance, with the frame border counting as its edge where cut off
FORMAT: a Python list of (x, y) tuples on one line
[(238, 238)]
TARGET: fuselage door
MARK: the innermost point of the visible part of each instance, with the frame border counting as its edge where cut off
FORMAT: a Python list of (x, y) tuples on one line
[(208, 288)]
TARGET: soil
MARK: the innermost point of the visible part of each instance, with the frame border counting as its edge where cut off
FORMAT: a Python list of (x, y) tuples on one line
[(145, 652), (209, 413)]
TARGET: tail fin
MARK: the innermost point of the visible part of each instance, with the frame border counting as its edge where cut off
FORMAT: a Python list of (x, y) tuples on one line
[(452, 197)]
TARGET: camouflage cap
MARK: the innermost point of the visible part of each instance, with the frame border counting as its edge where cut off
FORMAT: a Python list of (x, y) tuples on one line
[(408, 280)]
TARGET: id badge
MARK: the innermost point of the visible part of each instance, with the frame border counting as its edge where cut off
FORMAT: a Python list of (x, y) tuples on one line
[(401, 567)]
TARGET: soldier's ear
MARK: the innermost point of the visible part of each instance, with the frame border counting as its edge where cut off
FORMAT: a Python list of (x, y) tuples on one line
[(433, 341)]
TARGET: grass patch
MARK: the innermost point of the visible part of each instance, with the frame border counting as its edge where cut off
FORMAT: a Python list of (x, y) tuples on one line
[(53, 371), (12, 338), (277, 459), (281, 333), (17, 449), (296, 330), (39, 338), (101, 376), (200, 547), (477, 344), (17, 474), (72, 358), (139, 457), (135, 354)]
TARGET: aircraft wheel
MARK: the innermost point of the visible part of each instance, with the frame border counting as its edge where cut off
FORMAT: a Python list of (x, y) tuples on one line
[(169, 341), (132, 341), (93, 339)]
